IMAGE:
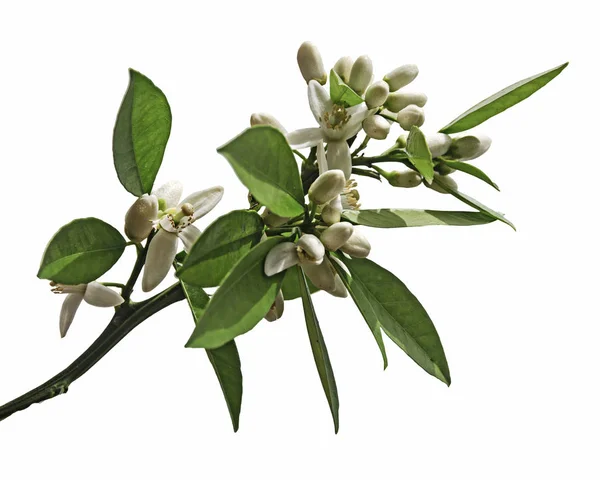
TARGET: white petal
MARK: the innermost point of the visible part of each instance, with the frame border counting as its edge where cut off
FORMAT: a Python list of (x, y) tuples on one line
[(357, 115), (188, 236), (68, 310), (338, 157), (340, 289), (332, 213), (266, 119), (168, 224), (319, 100), (100, 295), (276, 310), (358, 245), (161, 253), (170, 192), (204, 201), (313, 248), (337, 235), (139, 217), (321, 160), (280, 258), (321, 276), (304, 138)]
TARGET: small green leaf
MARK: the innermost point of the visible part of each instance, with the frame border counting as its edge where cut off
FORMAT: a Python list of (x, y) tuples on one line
[(81, 251), (398, 218), (419, 154), (291, 288), (471, 170), (221, 245), (341, 93), (225, 360), (319, 349), (501, 100), (141, 133), (242, 300), (383, 298), (264, 162)]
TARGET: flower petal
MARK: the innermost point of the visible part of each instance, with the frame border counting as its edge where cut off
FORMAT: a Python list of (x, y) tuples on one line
[(321, 276), (188, 236), (321, 159), (358, 245), (280, 258), (161, 253), (336, 235), (170, 192), (319, 100), (357, 115), (100, 295), (332, 212), (204, 201), (305, 137), (339, 289), (139, 217), (68, 310), (338, 157), (168, 224), (276, 310), (313, 247)]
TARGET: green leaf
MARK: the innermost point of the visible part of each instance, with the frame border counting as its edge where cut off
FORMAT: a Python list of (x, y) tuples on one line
[(398, 218), (220, 247), (475, 204), (383, 298), (265, 164), (501, 100), (291, 288), (225, 360), (319, 349), (81, 251), (471, 170), (341, 93), (141, 133), (242, 300), (419, 154)]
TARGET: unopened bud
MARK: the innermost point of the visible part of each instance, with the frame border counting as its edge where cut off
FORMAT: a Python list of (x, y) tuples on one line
[(266, 119), (139, 217), (336, 235), (399, 100), (438, 144), (448, 181), (311, 63), (376, 127), (357, 245), (411, 116), (361, 74), (343, 67), (276, 310), (444, 169), (272, 220), (401, 76), (402, 140), (405, 179), (332, 212), (377, 94), (470, 146), (327, 186), (310, 249)]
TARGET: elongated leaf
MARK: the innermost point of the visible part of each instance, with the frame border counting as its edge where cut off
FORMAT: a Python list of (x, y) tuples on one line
[(319, 349), (242, 300), (81, 251), (475, 204), (221, 245), (471, 170), (341, 93), (225, 360), (385, 299), (419, 154), (141, 133), (264, 162), (501, 100), (291, 287), (399, 218)]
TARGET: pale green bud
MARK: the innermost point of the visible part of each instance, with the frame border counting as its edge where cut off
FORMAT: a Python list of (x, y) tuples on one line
[(402, 140), (266, 119), (401, 76), (469, 147), (343, 67), (327, 186), (361, 74), (448, 181), (405, 179), (376, 127), (377, 94), (438, 144), (336, 235), (411, 116), (311, 63), (399, 100), (139, 217), (357, 245)]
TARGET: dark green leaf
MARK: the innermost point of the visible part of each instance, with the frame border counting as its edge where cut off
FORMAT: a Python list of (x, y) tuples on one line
[(501, 100), (81, 251), (471, 170), (383, 298), (265, 164), (242, 300), (419, 154), (291, 286), (319, 349), (397, 218), (341, 93), (221, 245), (141, 133)]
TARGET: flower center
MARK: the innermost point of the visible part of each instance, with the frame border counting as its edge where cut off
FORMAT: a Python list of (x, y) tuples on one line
[(60, 288), (350, 196), (337, 118), (304, 257)]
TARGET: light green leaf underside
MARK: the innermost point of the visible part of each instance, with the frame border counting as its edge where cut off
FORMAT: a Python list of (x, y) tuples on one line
[(471, 170), (399, 218), (341, 93), (419, 154), (291, 287)]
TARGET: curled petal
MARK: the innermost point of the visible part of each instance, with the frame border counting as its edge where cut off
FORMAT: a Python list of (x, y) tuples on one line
[(322, 276), (357, 245), (280, 258), (340, 289), (276, 310), (305, 137), (312, 246), (319, 100), (168, 224), (100, 295), (338, 157), (161, 253), (188, 236), (68, 310), (332, 212), (204, 201), (337, 235), (321, 159), (170, 192)]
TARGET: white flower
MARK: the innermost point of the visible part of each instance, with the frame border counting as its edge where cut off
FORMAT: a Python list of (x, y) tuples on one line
[(307, 251), (337, 124), (262, 118), (376, 127), (175, 222), (411, 116), (93, 293), (311, 64), (357, 245)]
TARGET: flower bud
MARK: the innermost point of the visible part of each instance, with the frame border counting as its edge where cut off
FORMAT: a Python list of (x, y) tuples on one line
[(400, 100), (276, 310), (332, 212), (336, 235), (339, 290), (100, 295), (357, 245), (272, 220), (377, 94), (139, 217), (405, 179), (377, 127), (311, 63), (402, 140), (266, 119), (401, 76), (448, 181), (444, 169), (361, 74), (327, 186), (343, 67), (310, 249), (469, 147), (411, 116), (438, 144)]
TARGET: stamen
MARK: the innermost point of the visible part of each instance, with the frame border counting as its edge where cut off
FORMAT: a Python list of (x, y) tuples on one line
[(60, 288), (303, 256), (337, 118)]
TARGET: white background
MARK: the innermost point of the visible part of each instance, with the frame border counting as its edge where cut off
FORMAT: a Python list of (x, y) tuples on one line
[(516, 311)]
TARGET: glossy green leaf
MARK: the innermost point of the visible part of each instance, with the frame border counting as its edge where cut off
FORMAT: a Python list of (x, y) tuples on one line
[(291, 288), (471, 170), (341, 93), (225, 360), (419, 154), (242, 300), (220, 247), (319, 349), (501, 100), (81, 251), (141, 133), (383, 298), (398, 218), (265, 164)]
